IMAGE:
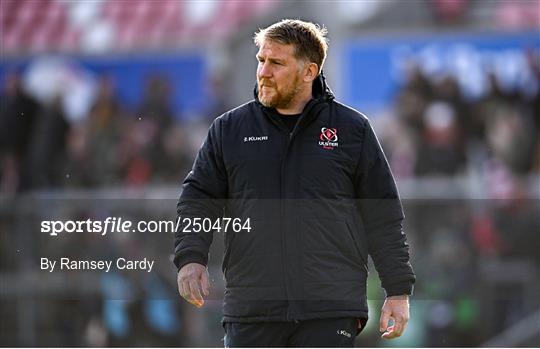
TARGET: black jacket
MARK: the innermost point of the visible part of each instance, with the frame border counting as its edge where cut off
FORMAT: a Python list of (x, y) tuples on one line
[(320, 198)]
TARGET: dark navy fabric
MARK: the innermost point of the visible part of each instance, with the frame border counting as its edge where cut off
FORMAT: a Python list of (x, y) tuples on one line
[(318, 333)]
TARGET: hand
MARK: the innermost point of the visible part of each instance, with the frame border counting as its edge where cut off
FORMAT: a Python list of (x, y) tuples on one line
[(193, 283), (397, 309)]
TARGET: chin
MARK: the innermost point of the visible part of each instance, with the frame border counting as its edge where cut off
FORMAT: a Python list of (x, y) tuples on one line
[(267, 102)]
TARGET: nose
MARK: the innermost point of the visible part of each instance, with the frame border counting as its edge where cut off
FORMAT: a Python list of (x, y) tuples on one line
[(264, 70)]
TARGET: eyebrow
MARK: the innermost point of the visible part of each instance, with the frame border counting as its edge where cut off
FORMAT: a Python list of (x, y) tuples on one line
[(274, 60)]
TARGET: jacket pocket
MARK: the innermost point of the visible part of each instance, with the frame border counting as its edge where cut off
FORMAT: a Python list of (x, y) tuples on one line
[(329, 236)]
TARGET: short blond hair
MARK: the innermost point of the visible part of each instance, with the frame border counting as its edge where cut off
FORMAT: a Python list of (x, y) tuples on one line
[(309, 39)]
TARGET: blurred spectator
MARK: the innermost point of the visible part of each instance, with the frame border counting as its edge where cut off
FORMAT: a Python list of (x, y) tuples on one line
[(17, 121), (156, 103), (143, 150), (447, 90), (48, 147), (177, 155), (533, 58), (439, 151), (94, 144), (504, 123), (413, 98), (398, 145), (484, 109), (511, 138)]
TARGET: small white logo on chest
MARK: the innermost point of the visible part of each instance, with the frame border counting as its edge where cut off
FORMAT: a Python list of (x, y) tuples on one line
[(255, 139), (344, 333)]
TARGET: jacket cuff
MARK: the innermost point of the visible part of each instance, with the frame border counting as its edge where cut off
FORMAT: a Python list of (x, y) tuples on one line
[(400, 288), (189, 257)]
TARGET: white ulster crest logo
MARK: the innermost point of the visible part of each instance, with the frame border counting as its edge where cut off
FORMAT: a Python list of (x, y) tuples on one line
[(328, 138)]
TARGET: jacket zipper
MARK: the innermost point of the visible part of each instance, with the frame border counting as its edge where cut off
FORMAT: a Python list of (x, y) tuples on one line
[(289, 316)]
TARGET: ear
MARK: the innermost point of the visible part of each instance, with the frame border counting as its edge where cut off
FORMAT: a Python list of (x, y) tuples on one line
[(311, 71)]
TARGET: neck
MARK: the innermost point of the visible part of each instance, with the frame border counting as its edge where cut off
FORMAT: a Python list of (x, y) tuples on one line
[(297, 104)]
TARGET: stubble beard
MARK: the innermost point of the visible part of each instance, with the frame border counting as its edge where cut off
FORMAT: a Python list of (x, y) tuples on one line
[(280, 99)]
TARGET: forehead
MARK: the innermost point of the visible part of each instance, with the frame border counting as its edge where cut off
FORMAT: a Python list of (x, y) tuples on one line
[(276, 49)]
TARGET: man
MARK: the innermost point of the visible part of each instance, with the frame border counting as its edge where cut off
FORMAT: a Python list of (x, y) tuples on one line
[(310, 175)]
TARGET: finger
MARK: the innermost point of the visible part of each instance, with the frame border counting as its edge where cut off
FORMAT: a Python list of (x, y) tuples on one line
[(182, 287), (188, 294), (179, 283), (383, 323), (205, 283), (195, 292), (186, 290), (179, 287), (195, 288), (389, 333)]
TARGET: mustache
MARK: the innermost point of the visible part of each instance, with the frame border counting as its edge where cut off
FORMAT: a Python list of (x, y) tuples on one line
[(266, 83)]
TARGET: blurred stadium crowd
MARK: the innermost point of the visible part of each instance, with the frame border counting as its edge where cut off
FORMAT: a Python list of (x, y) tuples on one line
[(436, 132), (113, 146), (475, 252), (443, 133)]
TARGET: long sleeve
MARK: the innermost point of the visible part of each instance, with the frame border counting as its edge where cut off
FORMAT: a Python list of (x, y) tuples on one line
[(382, 214), (203, 194)]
